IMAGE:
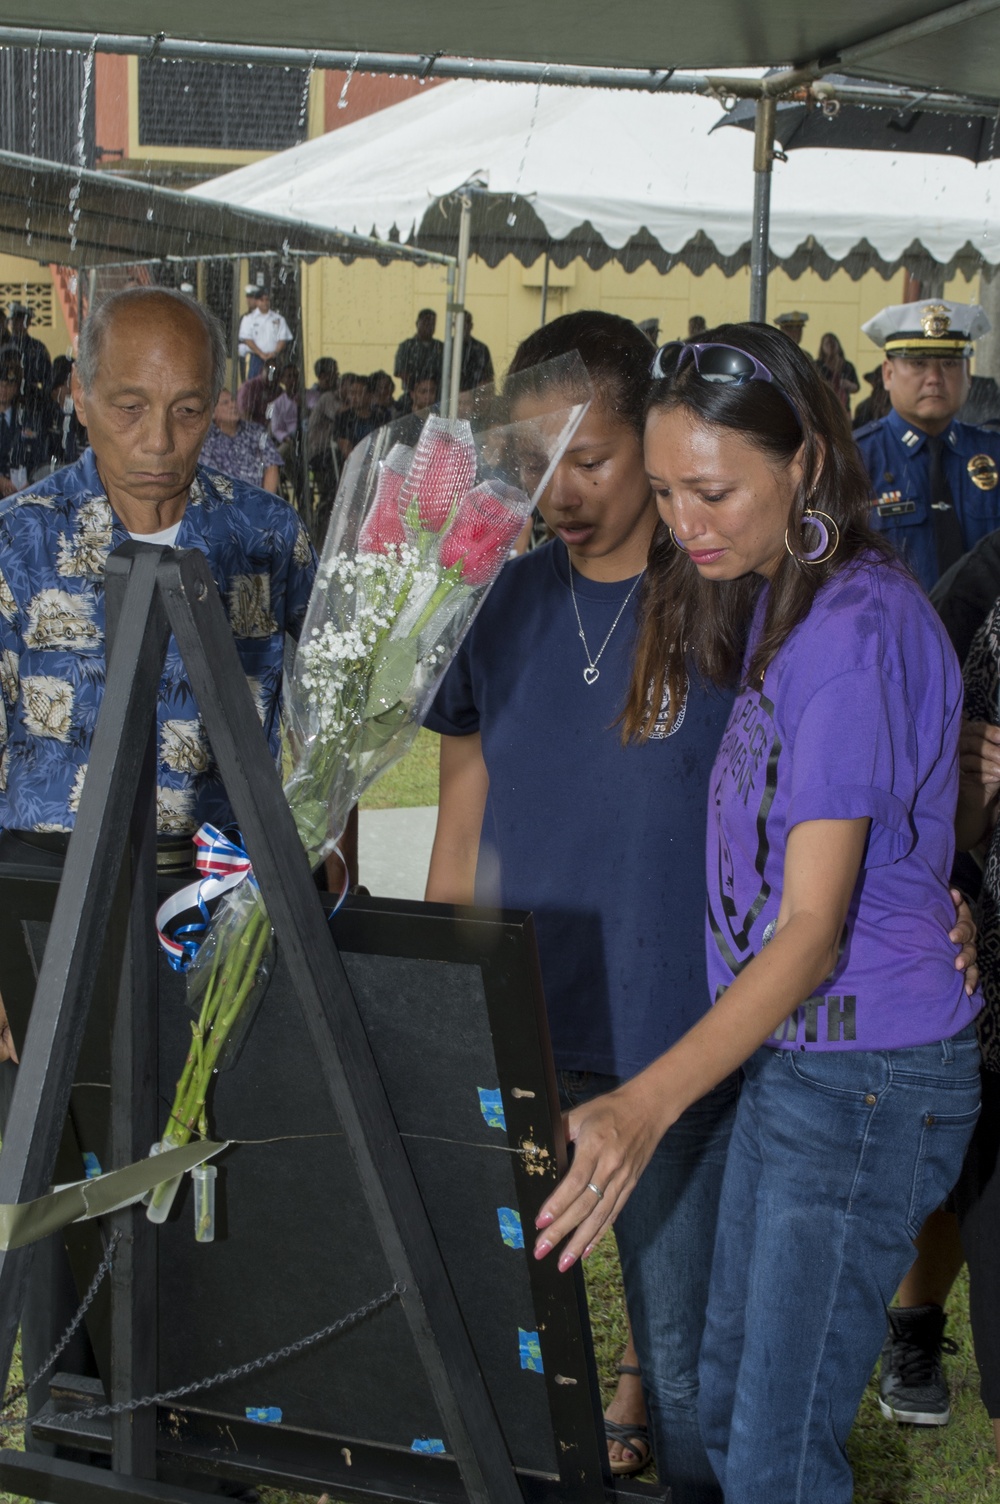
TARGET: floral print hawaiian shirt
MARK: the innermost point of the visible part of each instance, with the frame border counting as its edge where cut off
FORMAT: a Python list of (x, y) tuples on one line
[(54, 541), (245, 454)]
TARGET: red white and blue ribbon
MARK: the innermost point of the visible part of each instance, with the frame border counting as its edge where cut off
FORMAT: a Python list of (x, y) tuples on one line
[(181, 921)]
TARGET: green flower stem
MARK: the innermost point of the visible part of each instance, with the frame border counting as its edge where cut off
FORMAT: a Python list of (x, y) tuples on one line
[(220, 1011), (199, 1031), (241, 974), (451, 578)]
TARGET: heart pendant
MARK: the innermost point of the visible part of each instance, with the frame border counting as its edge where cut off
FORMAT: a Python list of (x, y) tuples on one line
[(591, 674)]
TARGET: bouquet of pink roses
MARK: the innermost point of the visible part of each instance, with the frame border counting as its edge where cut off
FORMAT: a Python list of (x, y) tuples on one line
[(426, 515)]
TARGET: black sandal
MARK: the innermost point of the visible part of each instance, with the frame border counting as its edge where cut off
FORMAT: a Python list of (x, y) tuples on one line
[(636, 1439)]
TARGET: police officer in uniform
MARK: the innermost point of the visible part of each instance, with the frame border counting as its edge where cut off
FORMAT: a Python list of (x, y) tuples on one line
[(935, 482), (936, 490), (793, 324), (26, 443), (36, 363)]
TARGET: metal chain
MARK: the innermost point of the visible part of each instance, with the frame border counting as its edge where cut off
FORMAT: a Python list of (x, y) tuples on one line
[(241, 1369), (103, 1268)]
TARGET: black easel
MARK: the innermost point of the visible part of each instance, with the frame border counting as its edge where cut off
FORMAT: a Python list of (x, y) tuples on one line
[(152, 593)]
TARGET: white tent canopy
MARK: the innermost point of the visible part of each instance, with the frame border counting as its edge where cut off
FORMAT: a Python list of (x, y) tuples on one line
[(603, 168)]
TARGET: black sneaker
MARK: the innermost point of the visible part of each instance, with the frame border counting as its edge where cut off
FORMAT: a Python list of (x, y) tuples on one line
[(912, 1388)]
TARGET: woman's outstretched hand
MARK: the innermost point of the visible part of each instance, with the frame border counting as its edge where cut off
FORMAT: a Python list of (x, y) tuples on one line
[(614, 1138)]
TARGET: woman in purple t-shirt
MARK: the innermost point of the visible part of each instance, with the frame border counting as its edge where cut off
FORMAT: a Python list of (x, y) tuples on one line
[(836, 984)]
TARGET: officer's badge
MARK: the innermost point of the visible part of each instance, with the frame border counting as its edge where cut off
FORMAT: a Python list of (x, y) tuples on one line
[(935, 320), (983, 472)]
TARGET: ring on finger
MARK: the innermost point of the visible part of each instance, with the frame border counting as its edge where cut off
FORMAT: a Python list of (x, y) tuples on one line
[(592, 1187)]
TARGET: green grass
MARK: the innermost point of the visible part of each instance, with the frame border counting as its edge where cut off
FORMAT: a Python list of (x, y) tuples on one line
[(11, 1435), (411, 782)]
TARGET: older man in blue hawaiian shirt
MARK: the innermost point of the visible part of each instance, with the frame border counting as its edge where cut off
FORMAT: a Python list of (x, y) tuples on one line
[(150, 367)]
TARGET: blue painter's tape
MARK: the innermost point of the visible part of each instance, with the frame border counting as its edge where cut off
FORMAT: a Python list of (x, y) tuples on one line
[(430, 1445), (491, 1107), (264, 1415), (530, 1352), (91, 1165), (510, 1226)]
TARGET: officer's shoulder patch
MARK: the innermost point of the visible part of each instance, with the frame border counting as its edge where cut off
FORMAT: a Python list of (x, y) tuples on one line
[(867, 429), (972, 439)]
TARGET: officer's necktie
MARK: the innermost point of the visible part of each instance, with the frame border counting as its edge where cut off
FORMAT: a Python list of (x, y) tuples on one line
[(948, 539)]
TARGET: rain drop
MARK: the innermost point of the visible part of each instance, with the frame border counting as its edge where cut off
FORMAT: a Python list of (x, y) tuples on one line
[(149, 214), (342, 101), (304, 101), (81, 143)]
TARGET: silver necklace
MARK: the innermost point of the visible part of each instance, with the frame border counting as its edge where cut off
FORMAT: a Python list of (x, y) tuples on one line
[(592, 673)]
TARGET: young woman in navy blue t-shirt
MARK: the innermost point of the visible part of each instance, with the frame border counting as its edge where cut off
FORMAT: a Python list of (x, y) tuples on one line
[(542, 807)]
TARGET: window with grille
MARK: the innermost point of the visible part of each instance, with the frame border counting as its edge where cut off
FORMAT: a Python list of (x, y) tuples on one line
[(35, 295), (41, 94), (224, 105)]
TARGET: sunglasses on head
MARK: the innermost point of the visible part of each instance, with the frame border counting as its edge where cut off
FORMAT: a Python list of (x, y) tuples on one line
[(725, 365)]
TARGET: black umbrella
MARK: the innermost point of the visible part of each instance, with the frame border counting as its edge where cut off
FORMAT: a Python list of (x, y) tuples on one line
[(835, 123)]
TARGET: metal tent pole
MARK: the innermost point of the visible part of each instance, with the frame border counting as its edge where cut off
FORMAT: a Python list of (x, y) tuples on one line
[(437, 65), (444, 395), (763, 161), (543, 312), (234, 326), (464, 242)]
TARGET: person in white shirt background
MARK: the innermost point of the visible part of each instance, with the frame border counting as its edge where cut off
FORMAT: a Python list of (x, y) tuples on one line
[(264, 334)]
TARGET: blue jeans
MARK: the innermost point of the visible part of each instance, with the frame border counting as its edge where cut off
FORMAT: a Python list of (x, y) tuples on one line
[(835, 1161), (665, 1235)]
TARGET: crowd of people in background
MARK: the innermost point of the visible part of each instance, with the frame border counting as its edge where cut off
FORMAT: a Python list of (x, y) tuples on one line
[(275, 435), (266, 430), (269, 432)]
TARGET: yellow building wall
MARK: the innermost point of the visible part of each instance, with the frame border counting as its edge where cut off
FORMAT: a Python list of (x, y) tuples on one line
[(359, 313)]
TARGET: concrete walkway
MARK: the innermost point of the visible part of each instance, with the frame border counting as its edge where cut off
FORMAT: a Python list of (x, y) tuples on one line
[(394, 850)]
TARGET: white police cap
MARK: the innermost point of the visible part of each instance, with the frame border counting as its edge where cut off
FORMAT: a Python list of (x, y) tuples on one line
[(933, 326)]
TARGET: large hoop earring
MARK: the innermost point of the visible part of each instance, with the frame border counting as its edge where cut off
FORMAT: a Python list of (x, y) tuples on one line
[(824, 549), (673, 539)]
